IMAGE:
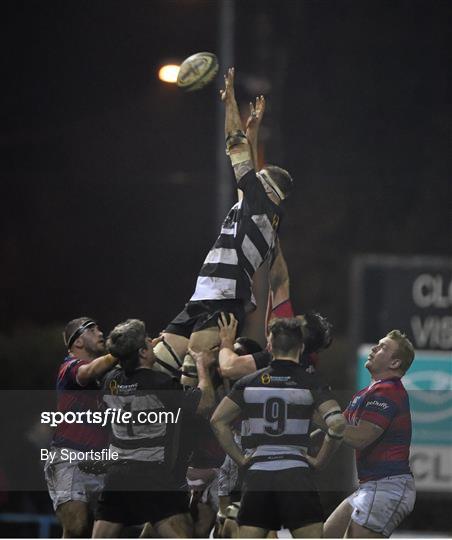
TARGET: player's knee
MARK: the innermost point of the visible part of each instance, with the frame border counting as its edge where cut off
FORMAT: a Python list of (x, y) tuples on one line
[(77, 527), (75, 519)]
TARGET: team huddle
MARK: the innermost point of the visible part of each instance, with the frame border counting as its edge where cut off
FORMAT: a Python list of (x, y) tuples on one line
[(238, 460)]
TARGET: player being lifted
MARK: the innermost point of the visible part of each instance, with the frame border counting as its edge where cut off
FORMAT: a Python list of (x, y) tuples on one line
[(246, 240)]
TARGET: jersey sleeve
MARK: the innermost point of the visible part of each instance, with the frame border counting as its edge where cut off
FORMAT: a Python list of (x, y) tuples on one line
[(262, 359), (236, 394), (67, 377), (284, 310), (379, 408)]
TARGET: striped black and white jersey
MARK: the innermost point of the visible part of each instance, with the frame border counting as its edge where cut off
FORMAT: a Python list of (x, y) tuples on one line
[(277, 405), (148, 391), (246, 239)]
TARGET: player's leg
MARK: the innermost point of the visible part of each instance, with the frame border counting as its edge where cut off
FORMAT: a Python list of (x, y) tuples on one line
[(336, 525), (75, 519), (313, 530), (67, 486), (178, 343), (246, 531), (379, 506), (176, 526), (202, 340), (258, 513), (230, 529), (301, 511), (205, 520), (148, 531), (173, 350), (106, 529), (355, 530)]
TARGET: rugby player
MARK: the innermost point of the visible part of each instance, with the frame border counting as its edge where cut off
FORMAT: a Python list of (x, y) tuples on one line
[(316, 328), (379, 428), (277, 404), (143, 485), (246, 240), (71, 489)]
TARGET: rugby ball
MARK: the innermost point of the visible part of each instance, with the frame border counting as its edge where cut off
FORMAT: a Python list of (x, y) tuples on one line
[(197, 70)]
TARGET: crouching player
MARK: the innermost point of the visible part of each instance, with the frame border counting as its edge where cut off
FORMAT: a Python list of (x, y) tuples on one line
[(379, 428)]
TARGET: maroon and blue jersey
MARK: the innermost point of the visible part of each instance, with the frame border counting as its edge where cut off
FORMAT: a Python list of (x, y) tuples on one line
[(73, 397), (384, 403)]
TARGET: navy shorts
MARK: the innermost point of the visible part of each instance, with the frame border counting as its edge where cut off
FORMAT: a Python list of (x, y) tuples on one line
[(135, 493), (270, 502), (203, 314)]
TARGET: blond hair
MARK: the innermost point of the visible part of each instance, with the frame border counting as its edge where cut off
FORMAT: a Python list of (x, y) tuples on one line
[(405, 349)]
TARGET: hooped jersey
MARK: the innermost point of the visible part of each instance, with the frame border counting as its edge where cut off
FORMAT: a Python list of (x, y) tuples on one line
[(308, 361), (150, 436), (277, 406), (75, 398), (386, 404), (246, 239)]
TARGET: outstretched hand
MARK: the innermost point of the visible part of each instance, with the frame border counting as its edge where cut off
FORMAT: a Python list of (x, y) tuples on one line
[(256, 113), (228, 330), (228, 92)]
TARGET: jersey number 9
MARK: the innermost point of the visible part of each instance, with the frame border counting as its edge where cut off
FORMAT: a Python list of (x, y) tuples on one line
[(275, 412)]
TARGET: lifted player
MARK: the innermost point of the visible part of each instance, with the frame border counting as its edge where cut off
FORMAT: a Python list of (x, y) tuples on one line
[(316, 328), (246, 240)]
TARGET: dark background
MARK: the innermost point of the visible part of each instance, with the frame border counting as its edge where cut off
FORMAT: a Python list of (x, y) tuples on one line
[(108, 176)]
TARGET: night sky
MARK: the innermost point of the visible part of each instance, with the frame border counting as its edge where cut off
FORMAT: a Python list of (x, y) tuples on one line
[(108, 183)]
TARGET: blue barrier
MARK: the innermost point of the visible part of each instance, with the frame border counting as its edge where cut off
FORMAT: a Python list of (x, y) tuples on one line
[(44, 521)]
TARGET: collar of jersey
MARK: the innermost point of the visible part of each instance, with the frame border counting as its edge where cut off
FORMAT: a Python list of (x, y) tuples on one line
[(285, 362)]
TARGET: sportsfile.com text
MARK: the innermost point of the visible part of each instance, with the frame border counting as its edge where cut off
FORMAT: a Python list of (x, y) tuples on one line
[(110, 415)]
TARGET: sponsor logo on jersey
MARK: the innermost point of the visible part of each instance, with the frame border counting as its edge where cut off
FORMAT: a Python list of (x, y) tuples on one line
[(113, 386), (378, 404)]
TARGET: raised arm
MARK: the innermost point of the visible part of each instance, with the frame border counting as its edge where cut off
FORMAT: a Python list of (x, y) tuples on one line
[(95, 369), (279, 304), (232, 366), (204, 360), (252, 128), (279, 277), (237, 146)]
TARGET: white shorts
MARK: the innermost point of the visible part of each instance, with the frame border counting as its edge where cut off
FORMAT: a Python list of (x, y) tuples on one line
[(205, 481), (228, 477), (66, 482), (381, 505)]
